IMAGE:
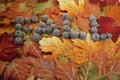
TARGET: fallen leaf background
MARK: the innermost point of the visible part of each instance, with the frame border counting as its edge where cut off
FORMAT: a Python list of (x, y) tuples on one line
[(55, 58)]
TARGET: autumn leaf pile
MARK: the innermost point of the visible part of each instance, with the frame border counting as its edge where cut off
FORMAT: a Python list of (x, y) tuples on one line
[(55, 58)]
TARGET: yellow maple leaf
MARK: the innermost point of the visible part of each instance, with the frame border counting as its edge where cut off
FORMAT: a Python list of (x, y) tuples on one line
[(114, 13), (77, 50), (71, 6), (74, 49)]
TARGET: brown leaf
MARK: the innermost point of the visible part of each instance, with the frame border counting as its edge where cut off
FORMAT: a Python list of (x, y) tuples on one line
[(45, 68), (104, 65), (100, 59), (2, 66), (65, 71), (31, 48), (17, 70)]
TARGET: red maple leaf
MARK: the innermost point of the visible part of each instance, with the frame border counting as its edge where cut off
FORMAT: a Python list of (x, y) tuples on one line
[(103, 3), (107, 25), (8, 50)]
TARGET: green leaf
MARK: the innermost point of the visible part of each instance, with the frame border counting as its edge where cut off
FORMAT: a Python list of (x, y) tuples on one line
[(63, 59), (39, 8), (97, 78), (114, 77), (88, 71)]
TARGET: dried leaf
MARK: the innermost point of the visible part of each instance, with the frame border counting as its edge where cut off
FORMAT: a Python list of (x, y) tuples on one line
[(17, 70), (103, 65), (104, 3), (108, 25), (71, 7), (118, 44), (81, 50), (2, 66), (113, 13), (5, 22), (39, 8), (31, 48), (82, 20), (76, 50), (51, 45), (115, 66), (42, 0), (17, 9), (44, 68), (8, 50), (9, 30), (65, 71), (100, 59), (89, 72), (54, 14)]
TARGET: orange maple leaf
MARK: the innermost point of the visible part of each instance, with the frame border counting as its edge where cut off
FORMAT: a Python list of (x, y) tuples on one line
[(113, 13), (77, 50), (82, 20)]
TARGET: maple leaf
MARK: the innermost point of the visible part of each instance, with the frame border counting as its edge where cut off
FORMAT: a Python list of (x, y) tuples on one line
[(39, 8), (8, 50), (54, 14), (118, 45), (66, 72), (5, 22), (71, 6), (104, 3), (9, 30), (77, 50), (2, 66), (82, 20), (68, 48), (18, 9), (89, 72), (17, 70), (42, 0), (31, 48), (81, 50), (108, 25), (19, 1), (100, 60), (44, 68), (104, 66), (113, 13), (51, 45)]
